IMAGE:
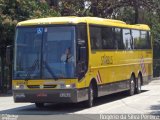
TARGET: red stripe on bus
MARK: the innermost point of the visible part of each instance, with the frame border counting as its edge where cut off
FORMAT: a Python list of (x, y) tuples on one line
[(99, 76)]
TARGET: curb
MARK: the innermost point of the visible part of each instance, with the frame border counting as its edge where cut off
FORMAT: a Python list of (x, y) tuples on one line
[(156, 78)]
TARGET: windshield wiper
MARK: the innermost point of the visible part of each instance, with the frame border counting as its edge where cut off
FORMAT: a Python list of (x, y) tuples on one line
[(31, 69), (49, 70)]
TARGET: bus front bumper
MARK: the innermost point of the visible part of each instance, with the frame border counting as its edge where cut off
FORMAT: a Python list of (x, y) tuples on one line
[(51, 96)]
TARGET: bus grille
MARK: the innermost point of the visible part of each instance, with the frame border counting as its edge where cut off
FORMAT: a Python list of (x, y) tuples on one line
[(49, 86), (38, 86), (33, 86)]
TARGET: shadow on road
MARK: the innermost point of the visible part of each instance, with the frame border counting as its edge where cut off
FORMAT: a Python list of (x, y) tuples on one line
[(5, 95), (155, 109), (56, 109)]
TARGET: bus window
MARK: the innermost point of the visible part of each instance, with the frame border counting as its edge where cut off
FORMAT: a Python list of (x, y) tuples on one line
[(127, 39), (107, 38), (58, 52), (82, 50), (136, 39), (145, 42), (96, 39), (118, 38), (82, 41)]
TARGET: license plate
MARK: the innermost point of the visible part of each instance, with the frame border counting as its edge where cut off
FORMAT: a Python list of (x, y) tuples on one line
[(41, 95), (65, 95)]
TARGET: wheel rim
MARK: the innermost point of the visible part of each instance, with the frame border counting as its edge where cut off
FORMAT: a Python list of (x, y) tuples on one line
[(132, 86), (139, 84), (39, 104), (91, 96)]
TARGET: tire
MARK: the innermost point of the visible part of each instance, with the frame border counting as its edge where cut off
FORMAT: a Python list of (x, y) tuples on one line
[(39, 105), (132, 86), (139, 83), (90, 101)]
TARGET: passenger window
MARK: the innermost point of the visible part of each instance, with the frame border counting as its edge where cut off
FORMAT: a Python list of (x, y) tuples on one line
[(118, 38), (136, 39), (107, 38), (145, 42), (127, 39), (96, 39)]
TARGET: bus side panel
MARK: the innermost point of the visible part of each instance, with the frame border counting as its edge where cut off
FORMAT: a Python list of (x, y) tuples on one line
[(115, 75)]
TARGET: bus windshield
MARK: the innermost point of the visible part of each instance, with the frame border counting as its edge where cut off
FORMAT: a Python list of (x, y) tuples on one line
[(44, 52)]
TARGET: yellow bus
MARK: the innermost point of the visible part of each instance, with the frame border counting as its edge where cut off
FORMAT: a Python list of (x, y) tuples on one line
[(74, 59)]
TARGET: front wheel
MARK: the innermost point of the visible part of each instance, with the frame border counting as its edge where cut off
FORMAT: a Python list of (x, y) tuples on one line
[(39, 105), (89, 102)]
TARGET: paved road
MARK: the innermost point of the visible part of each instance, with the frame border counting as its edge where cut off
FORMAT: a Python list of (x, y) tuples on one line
[(148, 102)]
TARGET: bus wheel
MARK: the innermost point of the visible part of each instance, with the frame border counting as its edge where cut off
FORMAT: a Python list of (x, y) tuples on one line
[(132, 86), (39, 105), (138, 88), (89, 102)]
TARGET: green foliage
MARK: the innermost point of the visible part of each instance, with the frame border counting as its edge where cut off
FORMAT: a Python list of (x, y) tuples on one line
[(31, 9), (130, 11), (13, 11)]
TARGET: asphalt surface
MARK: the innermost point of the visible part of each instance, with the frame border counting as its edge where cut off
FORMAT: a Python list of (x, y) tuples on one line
[(147, 103)]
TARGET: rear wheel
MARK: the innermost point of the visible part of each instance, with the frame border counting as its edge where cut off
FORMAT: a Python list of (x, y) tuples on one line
[(132, 86), (138, 88), (89, 102), (39, 105)]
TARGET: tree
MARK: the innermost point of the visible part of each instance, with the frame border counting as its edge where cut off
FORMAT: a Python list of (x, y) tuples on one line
[(130, 11), (13, 11)]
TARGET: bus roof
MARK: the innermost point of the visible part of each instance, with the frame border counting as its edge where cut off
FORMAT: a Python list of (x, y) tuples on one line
[(76, 20)]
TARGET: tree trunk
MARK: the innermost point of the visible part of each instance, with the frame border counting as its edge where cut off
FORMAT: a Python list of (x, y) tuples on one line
[(136, 8), (94, 8), (3, 80)]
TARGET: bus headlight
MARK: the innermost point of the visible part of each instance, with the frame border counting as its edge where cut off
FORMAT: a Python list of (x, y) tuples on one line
[(17, 87), (63, 86), (71, 86), (20, 86)]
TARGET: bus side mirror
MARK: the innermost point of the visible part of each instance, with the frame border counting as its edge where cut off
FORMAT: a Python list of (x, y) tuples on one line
[(9, 54)]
